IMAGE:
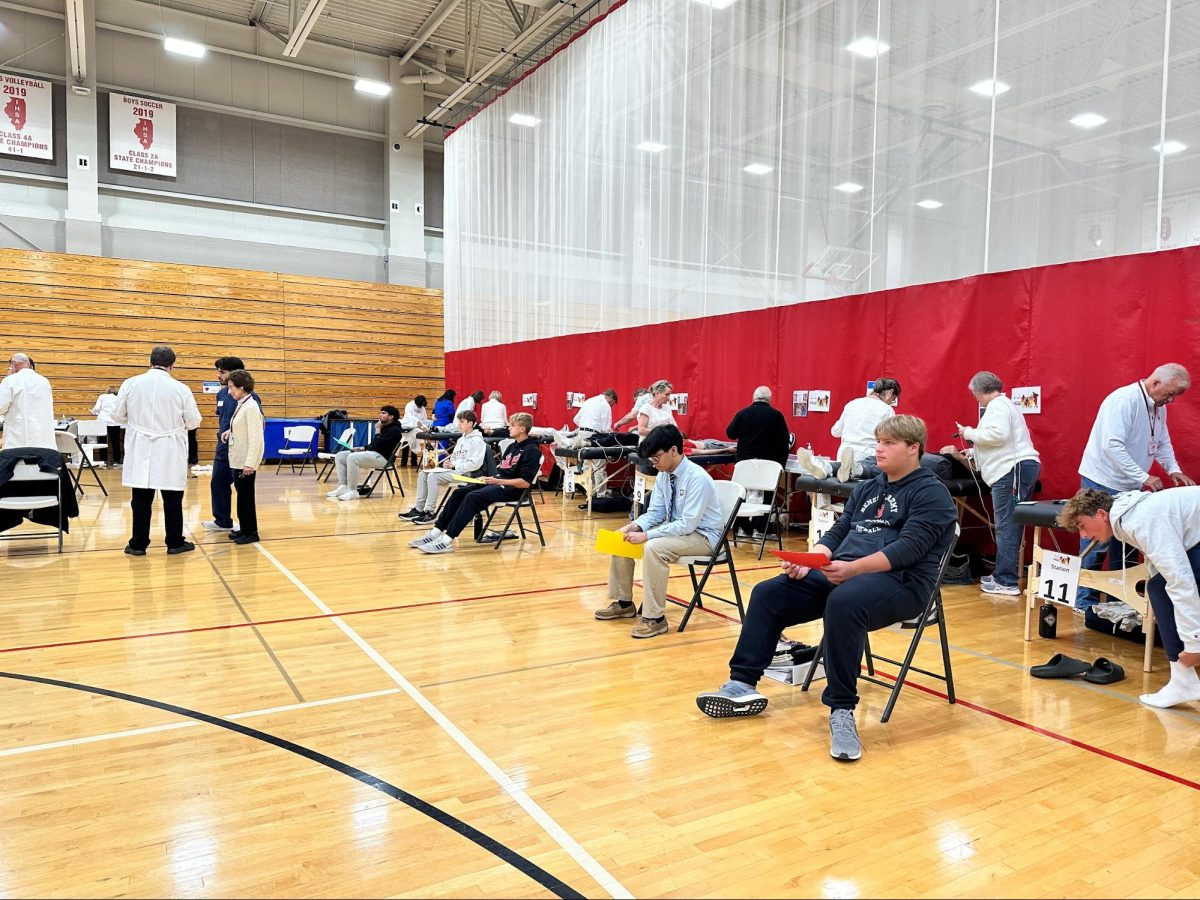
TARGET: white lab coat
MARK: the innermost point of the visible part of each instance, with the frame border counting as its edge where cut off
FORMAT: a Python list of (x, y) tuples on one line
[(157, 412), (27, 404), (103, 410)]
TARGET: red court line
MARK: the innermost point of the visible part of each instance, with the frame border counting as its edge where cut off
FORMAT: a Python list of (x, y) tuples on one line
[(1053, 735), (315, 616)]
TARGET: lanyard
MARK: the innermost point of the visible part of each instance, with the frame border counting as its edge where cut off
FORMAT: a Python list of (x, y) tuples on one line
[(1151, 410)]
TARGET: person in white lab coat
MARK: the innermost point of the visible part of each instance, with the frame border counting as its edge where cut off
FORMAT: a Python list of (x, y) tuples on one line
[(27, 405), (157, 412), (105, 404)]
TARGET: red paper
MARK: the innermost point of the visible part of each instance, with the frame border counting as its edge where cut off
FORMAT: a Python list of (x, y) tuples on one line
[(812, 560)]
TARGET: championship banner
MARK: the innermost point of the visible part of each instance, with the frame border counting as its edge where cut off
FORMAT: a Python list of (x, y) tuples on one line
[(27, 126), (141, 135)]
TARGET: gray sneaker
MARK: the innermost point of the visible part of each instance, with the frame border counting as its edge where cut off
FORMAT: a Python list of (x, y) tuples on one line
[(817, 468), (843, 736), (428, 536), (733, 698)]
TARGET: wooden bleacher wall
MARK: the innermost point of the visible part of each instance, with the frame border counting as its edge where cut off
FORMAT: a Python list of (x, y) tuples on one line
[(312, 344)]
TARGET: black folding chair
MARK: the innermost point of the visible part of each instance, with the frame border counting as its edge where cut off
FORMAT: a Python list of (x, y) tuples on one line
[(730, 494), (933, 613), (525, 500), (374, 476), (68, 445)]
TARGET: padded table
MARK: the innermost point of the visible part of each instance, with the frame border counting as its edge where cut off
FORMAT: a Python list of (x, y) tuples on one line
[(1127, 585)]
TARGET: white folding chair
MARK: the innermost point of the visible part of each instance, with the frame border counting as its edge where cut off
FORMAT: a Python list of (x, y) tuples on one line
[(328, 460), (730, 495), (297, 445), (70, 448), (25, 472), (760, 475), (92, 428)]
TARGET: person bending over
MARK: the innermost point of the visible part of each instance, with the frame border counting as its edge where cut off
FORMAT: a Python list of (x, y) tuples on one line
[(883, 554), (517, 470), (1166, 528), (856, 428), (683, 519), (467, 459)]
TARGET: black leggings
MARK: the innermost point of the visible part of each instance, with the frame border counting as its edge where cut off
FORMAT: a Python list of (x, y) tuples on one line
[(465, 503)]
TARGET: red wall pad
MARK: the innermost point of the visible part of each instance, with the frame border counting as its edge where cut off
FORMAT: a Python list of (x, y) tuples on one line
[(1078, 329)]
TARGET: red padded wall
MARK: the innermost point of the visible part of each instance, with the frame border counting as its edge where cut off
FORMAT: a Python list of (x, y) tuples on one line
[(1078, 330)]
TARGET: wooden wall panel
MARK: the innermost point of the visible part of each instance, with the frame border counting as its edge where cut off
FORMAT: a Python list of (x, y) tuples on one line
[(312, 343)]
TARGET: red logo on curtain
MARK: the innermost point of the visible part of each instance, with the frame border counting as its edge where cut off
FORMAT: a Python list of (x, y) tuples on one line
[(144, 130), (16, 111)]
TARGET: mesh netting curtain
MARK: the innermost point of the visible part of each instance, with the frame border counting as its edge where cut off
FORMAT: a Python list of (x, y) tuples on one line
[(692, 157)]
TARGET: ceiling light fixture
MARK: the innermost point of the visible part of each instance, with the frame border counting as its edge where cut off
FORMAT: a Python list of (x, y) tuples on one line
[(184, 48), (717, 4), (758, 169), (524, 119), (374, 88), (848, 187), (1170, 147), (1088, 120), (929, 204), (869, 47), (988, 88), (651, 147)]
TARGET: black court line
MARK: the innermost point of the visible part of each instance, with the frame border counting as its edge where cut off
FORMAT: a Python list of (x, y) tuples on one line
[(491, 845), (249, 621)]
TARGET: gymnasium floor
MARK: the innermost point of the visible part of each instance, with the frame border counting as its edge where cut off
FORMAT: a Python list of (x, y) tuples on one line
[(333, 714)]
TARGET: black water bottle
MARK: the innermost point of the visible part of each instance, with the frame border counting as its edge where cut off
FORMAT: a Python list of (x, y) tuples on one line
[(1047, 621)]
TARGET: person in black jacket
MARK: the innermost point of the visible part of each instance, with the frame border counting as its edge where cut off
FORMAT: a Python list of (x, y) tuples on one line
[(374, 456), (517, 470), (883, 555), (761, 432)]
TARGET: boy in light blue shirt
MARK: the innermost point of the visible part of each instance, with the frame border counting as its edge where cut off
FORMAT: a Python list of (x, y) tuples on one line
[(683, 519)]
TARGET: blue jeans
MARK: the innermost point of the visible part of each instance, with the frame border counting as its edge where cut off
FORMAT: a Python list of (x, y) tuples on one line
[(1164, 609), (1094, 560), (1005, 496)]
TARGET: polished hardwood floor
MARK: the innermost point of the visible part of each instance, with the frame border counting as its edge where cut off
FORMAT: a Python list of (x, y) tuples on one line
[(333, 714)]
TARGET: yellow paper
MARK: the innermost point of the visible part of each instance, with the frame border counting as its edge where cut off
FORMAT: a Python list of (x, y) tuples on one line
[(614, 544), (468, 479)]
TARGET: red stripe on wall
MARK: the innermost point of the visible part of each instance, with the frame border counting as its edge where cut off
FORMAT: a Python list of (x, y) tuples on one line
[(1078, 330)]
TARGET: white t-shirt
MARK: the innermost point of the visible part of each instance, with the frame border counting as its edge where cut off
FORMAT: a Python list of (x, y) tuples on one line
[(467, 404), (658, 415), (105, 404), (856, 426), (1129, 434), (494, 414), (414, 416), (595, 414), (1001, 439)]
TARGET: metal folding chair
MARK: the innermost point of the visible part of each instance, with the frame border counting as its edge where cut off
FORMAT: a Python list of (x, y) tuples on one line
[(933, 613), (298, 445), (30, 472), (374, 476), (730, 495), (68, 446)]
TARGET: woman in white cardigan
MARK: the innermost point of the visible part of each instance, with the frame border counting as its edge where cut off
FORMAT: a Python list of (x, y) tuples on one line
[(245, 437), (1005, 458)]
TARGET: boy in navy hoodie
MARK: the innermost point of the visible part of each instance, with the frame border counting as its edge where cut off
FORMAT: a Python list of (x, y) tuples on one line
[(883, 554)]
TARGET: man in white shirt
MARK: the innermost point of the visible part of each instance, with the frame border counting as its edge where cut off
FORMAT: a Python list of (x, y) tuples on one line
[(640, 398), (493, 415), (1128, 437), (594, 417), (157, 412), (27, 405)]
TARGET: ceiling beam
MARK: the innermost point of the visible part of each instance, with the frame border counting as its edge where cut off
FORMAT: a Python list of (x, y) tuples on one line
[(305, 24), (436, 18)]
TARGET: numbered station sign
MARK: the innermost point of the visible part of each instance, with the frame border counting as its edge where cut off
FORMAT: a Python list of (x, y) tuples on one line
[(823, 519), (1059, 578)]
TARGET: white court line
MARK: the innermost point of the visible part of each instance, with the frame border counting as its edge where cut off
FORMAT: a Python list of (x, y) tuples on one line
[(527, 803), (190, 723)]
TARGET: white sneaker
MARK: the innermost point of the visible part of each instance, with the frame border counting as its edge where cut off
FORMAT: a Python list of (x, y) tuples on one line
[(847, 467), (337, 490), (815, 467), (211, 525), (440, 544), (428, 536), (348, 494), (995, 587)]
